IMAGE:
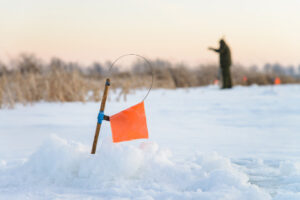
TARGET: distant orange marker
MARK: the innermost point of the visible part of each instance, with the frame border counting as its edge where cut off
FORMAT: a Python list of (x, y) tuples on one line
[(216, 82), (277, 81), (245, 79)]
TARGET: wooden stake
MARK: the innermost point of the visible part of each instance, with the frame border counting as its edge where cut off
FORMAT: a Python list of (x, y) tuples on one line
[(107, 84)]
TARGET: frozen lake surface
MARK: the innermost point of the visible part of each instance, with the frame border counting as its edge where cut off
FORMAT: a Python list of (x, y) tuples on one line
[(204, 143)]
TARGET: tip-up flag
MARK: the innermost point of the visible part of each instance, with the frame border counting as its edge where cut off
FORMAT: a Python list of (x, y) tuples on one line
[(277, 81), (129, 124)]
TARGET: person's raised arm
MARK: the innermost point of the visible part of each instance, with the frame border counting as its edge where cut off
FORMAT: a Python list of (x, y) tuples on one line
[(213, 49)]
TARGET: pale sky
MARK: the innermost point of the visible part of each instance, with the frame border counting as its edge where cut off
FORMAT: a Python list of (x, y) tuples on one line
[(258, 31)]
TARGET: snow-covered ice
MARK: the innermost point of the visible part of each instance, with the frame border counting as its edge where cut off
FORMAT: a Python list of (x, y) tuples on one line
[(205, 143)]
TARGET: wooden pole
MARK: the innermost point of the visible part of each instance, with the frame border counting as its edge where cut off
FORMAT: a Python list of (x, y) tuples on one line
[(104, 97)]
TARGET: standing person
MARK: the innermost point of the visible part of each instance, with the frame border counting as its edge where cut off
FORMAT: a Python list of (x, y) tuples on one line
[(225, 62)]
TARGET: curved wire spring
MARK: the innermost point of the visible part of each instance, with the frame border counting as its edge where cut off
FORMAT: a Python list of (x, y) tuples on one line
[(146, 61)]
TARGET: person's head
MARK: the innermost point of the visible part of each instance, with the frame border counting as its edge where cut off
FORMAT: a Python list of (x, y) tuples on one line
[(222, 42)]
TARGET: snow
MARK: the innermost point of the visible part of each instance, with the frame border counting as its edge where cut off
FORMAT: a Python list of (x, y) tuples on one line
[(205, 143)]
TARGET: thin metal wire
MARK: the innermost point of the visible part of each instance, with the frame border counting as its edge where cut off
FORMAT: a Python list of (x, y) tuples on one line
[(145, 59)]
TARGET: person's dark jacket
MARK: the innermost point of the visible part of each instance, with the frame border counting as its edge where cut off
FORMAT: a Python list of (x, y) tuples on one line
[(225, 55)]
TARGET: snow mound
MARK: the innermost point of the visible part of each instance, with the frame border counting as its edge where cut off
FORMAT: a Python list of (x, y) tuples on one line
[(2, 163), (127, 171)]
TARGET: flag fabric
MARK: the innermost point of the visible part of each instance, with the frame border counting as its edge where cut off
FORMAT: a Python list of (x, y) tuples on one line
[(277, 81), (129, 124)]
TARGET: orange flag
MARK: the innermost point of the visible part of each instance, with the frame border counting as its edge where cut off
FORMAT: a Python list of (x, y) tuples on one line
[(129, 124), (216, 82), (277, 81)]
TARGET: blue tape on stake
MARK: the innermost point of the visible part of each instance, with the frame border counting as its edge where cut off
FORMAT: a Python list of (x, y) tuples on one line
[(100, 117)]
